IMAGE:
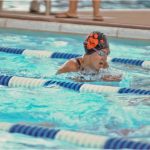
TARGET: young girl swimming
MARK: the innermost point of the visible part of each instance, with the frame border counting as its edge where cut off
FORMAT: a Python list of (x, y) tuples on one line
[(94, 61)]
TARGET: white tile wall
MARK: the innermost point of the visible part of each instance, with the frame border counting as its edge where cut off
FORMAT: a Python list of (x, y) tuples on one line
[(74, 28), (84, 29), (2, 22), (33, 25), (133, 33)]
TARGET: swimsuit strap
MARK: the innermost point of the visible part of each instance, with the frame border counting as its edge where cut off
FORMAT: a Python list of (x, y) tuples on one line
[(79, 63)]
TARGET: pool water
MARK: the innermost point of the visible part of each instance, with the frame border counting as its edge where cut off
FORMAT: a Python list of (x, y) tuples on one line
[(100, 114)]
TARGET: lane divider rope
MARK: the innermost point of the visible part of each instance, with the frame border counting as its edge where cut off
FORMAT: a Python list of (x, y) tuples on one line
[(14, 81), (48, 54), (73, 137)]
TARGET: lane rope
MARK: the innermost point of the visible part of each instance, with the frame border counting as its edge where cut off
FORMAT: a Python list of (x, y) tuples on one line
[(48, 54), (73, 137), (14, 81)]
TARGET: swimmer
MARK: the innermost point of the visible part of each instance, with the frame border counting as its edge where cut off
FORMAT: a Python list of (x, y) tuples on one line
[(94, 61)]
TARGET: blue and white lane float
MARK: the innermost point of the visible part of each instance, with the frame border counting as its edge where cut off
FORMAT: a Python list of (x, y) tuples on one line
[(48, 54), (14, 81), (78, 138)]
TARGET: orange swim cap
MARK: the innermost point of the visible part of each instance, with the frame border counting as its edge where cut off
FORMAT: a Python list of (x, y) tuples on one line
[(95, 41)]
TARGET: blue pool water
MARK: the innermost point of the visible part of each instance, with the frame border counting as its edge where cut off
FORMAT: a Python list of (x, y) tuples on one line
[(100, 114)]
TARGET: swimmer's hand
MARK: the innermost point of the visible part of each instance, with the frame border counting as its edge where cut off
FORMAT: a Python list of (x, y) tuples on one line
[(80, 79), (112, 78), (108, 78)]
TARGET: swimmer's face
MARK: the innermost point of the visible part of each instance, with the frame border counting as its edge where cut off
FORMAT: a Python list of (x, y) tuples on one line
[(106, 51), (98, 62), (103, 53)]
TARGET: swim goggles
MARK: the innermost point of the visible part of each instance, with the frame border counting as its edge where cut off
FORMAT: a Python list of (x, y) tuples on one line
[(100, 52)]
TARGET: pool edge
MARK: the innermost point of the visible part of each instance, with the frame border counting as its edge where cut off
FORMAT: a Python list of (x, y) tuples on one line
[(117, 32)]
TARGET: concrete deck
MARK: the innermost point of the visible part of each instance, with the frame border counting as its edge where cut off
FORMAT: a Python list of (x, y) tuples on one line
[(118, 23), (137, 19)]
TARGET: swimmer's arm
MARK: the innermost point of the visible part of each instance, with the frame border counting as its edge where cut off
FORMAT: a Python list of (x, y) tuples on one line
[(105, 78), (108, 78), (78, 79), (112, 78), (69, 66)]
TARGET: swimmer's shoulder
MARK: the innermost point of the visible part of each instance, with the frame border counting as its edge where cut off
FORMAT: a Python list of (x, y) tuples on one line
[(73, 62), (69, 66)]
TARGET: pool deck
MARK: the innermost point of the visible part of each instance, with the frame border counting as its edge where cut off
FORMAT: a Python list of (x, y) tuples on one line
[(119, 23)]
